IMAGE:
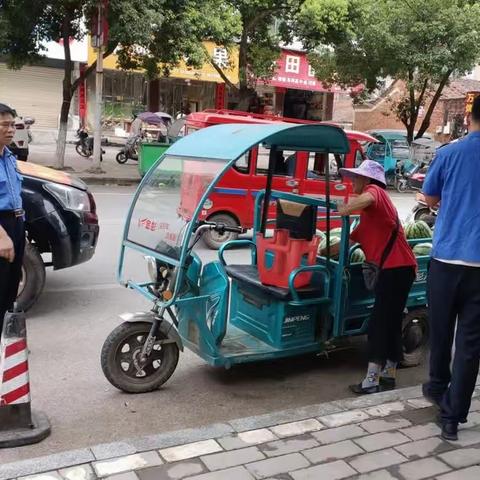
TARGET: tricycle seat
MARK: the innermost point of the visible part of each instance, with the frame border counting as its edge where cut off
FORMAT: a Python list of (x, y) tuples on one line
[(249, 274)]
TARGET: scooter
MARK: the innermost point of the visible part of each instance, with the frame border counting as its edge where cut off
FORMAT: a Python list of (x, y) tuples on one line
[(84, 145), (130, 150), (421, 211), (403, 177)]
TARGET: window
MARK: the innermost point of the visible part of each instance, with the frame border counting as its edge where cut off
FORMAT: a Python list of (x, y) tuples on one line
[(311, 71), (292, 64), (317, 165), (359, 158), (285, 165), (243, 163), (220, 57)]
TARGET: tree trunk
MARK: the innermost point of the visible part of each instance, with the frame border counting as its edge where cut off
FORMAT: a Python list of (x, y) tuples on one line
[(67, 96), (62, 131), (426, 121)]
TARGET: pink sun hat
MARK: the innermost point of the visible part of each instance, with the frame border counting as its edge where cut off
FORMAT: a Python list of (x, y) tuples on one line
[(368, 169)]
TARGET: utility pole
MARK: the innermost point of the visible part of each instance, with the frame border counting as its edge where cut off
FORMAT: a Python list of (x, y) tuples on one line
[(99, 38)]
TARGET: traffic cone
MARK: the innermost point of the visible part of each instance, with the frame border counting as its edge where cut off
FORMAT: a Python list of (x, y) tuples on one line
[(18, 424)]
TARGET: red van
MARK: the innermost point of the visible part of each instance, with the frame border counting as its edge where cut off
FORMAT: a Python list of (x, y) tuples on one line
[(233, 201)]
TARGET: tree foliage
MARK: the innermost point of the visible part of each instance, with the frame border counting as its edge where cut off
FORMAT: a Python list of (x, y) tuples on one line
[(422, 43)]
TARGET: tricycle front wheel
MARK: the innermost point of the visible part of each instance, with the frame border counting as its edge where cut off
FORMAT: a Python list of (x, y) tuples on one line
[(120, 359), (414, 337)]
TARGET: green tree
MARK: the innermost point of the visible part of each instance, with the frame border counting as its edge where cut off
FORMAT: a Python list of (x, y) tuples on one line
[(422, 43), (150, 34)]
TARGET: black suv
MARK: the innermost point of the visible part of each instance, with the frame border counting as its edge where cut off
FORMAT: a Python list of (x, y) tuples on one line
[(61, 223)]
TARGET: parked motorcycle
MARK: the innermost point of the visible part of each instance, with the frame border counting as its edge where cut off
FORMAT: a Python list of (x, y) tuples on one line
[(421, 211), (403, 177), (84, 146), (130, 150)]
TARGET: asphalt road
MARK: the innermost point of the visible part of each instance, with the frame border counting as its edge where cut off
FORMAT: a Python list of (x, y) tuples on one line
[(78, 309)]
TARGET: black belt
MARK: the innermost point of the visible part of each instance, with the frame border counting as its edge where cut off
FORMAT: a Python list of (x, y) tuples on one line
[(19, 212)]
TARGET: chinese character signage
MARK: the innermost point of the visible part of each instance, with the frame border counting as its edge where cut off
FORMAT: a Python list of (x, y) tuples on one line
[(294, 71)]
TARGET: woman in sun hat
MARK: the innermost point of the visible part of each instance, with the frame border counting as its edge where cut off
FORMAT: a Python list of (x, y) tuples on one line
[(383, 241)]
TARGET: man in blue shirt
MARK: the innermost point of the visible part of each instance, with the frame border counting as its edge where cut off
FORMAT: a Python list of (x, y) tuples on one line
[(12, 231), (454, 277)]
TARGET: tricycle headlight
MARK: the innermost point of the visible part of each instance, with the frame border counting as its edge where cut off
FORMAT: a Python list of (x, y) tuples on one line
[(152, 269), (71, 198)]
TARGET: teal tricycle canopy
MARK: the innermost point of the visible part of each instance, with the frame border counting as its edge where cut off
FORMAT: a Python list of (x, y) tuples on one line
[(233, 312), (228, 142)]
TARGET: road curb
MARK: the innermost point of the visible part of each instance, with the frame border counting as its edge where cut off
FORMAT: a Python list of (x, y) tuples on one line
[(169, 439), (97, 180)]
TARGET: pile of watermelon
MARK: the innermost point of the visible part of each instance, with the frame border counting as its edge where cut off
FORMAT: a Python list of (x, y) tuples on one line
[(335, 235), (416, 230), (420, 229)]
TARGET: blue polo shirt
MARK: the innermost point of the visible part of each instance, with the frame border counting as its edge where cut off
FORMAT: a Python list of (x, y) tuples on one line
[(10, 182), (454, 176)]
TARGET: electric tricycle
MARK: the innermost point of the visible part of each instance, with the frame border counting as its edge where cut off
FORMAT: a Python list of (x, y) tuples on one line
[(286, 300)]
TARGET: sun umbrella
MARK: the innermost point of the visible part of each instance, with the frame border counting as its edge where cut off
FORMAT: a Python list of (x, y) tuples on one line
[(158, 118)]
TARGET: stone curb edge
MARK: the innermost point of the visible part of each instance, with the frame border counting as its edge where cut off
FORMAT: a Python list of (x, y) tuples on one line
[(170, 439), (99, 180)]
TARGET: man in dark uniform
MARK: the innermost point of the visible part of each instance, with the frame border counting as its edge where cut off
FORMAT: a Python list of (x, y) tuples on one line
[(12, 232)]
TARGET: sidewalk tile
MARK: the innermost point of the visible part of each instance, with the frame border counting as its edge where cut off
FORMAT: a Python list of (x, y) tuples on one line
[(379, 441), (419, 402), (334, 451), (190, 450), (473, 420), (236, 473), (246, 439), (421, 416), (377, 475), (124, 464), (376, 460), (284, 416), (274, 466), (343, 418), (297, 428), (43, 476), (475, 406), (462, 457), (423, 448), (472, 473), (173, 471), (420, 432), (123, 476), (330, 471), (105, 451), (420, 469), (386, 409), (377, 426), (219, 461), (79, 472), (333, 435), (290, 445), (466, 438)]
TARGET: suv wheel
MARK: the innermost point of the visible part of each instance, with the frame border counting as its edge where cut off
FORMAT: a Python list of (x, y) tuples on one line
[(33, 278)]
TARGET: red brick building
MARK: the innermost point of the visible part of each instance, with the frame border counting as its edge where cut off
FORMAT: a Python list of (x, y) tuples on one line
[(446, 119)]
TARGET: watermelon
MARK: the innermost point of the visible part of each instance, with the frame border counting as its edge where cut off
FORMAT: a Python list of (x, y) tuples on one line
[(333, 241), (358, 256), (422, 249), (418, 229)]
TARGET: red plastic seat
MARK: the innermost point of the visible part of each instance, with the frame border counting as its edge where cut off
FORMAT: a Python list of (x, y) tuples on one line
[(279, 255)]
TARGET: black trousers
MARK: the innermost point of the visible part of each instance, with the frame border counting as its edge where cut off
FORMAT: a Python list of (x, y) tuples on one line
[(10, 273), (385, 326), (454, 301)]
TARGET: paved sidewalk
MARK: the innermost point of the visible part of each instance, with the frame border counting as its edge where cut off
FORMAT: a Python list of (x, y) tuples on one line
[(385, 436), (114, 173)]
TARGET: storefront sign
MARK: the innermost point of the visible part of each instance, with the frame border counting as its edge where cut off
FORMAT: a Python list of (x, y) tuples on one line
[(294, 72), (469, 101), (206, 74)]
